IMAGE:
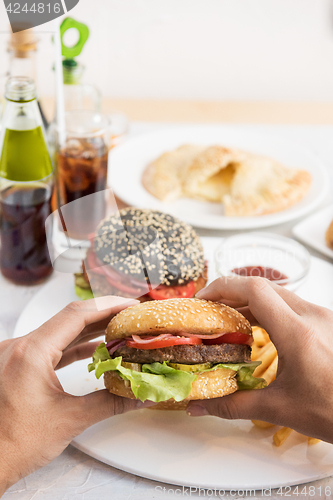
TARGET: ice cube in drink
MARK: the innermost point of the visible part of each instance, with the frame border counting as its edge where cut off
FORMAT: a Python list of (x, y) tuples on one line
[(82, 171)]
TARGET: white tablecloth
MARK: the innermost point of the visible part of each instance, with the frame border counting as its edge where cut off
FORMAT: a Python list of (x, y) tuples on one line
[(74, 474)]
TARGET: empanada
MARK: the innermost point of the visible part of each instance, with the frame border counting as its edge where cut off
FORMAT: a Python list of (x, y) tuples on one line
[(247, 184), (163, 178)]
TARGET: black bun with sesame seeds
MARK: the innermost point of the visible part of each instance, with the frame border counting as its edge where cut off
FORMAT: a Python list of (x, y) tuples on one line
[(168, 249)]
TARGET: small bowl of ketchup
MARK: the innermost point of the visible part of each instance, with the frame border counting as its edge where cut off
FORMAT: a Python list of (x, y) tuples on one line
[(276, 258)]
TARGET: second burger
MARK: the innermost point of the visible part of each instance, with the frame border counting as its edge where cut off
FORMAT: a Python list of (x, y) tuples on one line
[(144, 254)]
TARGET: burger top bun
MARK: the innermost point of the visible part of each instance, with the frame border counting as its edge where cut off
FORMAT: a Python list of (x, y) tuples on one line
[(174, 316), (135, 238)]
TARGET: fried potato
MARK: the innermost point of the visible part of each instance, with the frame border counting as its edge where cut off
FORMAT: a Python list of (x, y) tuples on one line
[(270, 374), (281, 435), (266, 356), (260, 350), (261, 424), (313, 440), (260, 336)]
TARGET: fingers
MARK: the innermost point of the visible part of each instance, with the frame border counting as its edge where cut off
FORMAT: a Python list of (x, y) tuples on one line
[(265, 304), (245, 311), (65, 326), (249, 405), (76, 353), (300, 306), (86, 338), (218, 291), (91, 331), (100, 405)]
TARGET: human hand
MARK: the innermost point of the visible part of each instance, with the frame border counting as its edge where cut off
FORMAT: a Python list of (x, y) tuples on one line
[(38, 418), (301, 397)]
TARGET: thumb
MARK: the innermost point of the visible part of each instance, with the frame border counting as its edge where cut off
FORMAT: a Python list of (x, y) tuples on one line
[(100, 405), (248, 405)]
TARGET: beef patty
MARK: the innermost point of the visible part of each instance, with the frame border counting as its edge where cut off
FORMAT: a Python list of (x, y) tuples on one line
[(188, 354)]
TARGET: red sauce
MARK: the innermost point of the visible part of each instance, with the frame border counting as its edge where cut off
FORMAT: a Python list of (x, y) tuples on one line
[(264, 272)]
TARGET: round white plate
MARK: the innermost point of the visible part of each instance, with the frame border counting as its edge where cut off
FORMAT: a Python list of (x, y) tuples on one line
[(128, 161), (312, 230), (176, 449)]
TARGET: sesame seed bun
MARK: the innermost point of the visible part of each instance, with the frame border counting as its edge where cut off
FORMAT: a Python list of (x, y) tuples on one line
[(174, 316), (169, 250), (213, 384)]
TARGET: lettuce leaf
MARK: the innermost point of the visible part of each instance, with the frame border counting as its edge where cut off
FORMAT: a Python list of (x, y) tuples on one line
[(160, 382), (245, 378), (83, 293), (156, 382)]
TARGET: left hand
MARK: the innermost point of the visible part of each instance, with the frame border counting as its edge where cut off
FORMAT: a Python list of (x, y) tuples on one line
[(38, 418)]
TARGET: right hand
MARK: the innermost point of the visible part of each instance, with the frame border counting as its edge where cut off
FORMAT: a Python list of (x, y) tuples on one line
[(301, 397)]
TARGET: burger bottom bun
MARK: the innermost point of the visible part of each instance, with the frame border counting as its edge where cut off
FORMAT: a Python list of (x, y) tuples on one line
[(208, 385)]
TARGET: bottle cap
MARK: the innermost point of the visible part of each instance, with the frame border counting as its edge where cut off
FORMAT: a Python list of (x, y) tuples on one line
[(72, 71), (20, 88), (22, 43), (83, 32)]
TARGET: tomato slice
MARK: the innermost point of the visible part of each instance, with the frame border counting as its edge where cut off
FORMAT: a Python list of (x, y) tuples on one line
[(163, 292), (113, 278), (231, 338), (158, 344)]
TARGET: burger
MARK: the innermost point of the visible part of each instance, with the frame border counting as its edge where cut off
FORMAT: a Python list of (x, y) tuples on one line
[(145, 254), (176, 350)]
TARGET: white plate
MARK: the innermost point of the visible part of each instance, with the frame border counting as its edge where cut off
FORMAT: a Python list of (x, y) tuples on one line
[(128, 161), (312, 230), (175, 449)]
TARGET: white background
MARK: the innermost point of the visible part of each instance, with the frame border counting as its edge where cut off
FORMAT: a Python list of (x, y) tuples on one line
[(200, 49)]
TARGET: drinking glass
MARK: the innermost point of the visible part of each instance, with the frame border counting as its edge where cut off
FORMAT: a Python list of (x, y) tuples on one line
[(81, 160)]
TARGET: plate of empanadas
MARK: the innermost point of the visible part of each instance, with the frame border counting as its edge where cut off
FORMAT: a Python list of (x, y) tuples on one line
[(219, 176)]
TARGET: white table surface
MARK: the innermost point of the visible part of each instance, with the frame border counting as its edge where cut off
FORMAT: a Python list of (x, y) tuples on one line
[(74, 474)]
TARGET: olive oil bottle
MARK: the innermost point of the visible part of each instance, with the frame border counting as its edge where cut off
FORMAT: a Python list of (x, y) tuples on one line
[(22, 51), (26, 184)]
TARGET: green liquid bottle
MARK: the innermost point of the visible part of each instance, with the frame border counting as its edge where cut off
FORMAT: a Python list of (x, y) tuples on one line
[(26, 184), (22, 50)]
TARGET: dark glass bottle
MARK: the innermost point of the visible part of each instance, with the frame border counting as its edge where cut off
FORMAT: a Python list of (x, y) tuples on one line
[(26, 184)]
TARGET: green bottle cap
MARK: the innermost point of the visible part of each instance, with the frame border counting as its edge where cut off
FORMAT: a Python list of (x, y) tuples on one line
[(72, 72), (69, 63), (71, 52)]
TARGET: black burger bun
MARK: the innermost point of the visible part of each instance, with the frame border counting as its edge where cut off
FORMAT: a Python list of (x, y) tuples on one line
[(133, 238)]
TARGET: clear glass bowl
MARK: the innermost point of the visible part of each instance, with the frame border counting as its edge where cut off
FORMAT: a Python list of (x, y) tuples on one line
[(282, 254)]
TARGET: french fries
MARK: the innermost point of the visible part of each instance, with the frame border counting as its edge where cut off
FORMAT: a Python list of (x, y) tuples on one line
[(270, 373), (281, 435), (313, 440), (263, 350), (260, 336), (266, 359), (261, 424), (255, 352)]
